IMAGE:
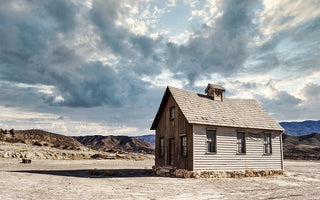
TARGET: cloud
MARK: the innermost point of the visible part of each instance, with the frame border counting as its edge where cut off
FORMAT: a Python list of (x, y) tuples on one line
[(284, 106), (284, 102), (311, 93), (17, 119), (293, 50), (275, 19), (14, 95), (77, 82), (172, 3), (120, 40), (108, 62), (93, 84), (63, 12), (221, 48)]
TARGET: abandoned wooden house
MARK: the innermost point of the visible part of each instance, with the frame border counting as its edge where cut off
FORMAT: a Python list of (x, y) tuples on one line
[(199, 132)]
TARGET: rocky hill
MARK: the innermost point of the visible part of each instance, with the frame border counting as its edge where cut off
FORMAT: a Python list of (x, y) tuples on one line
[(301, 147), (39, 137), (148, 138), (115, 143), (301, 128)]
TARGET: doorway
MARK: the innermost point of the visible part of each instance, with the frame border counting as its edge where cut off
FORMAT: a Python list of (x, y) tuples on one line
[(171, 152)]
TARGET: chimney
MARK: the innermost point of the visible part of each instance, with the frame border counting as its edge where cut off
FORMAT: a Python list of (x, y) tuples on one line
[(215, 91)]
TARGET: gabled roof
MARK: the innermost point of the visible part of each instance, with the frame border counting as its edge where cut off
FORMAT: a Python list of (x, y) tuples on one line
[(201, 109), (214, 86)]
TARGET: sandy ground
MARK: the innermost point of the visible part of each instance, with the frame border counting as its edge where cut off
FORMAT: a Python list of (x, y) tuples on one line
[(70, 179)]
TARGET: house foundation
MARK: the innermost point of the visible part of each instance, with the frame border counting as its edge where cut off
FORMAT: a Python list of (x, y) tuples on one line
[(182, 173)]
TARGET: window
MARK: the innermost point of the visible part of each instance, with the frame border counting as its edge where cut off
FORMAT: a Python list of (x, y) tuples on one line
[(161, 146), (267, 143), (241, 143), (211, 141), (184, 146), (172, 113)]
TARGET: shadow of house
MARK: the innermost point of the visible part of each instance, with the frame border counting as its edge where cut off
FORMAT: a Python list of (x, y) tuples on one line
[(94, 173)]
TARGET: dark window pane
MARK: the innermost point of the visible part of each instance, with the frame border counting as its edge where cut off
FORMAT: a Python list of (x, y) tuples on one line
[(184, 147), (267, 143), (172, 113), (161, 147), (211, 141), (241, 143)]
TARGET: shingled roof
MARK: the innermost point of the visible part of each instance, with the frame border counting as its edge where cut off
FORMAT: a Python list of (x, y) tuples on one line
[(201, 109)]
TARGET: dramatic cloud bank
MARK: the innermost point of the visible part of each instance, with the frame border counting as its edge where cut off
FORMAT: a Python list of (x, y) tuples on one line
[(101, 67)]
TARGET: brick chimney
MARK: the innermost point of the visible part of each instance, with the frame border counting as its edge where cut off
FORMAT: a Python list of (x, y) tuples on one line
[(215, 91)]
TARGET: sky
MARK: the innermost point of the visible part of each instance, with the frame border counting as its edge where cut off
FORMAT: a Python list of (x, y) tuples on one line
[(101, 67)]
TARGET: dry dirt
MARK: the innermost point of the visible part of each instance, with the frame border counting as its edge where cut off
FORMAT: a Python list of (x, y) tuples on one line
[(128, 179)]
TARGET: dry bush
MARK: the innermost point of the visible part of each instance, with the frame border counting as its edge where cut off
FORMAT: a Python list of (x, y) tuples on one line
[(25, 160), (56, 146), (36, 143), (13, 140)]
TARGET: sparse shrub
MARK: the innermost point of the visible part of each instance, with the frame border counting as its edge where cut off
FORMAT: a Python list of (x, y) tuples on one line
[(14, 140), (11, 132), (56, 146), (96, 156), (25, 160), (46, 144), (73, 148), (36, 143), (94, 172)]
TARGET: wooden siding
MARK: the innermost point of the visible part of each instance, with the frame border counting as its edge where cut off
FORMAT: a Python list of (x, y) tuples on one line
[(174, 129), (226, 157)]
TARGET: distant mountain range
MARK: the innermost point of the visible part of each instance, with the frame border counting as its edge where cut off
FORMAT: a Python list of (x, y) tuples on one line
[(301, 147), (148, 138), (112, 143), (301, 128), (39, 137), (109, 143)]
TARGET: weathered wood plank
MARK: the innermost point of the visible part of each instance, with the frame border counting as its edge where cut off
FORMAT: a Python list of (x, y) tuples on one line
[(226, 157), (174, 128)]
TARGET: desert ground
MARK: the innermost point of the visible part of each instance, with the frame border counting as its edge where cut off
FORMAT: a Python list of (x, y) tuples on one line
[(129, 179)]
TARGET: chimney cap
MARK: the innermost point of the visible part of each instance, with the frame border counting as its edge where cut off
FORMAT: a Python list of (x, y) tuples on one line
[(214, 86)]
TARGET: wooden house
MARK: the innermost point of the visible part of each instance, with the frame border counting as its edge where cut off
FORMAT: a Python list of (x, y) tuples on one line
[(207, 132)]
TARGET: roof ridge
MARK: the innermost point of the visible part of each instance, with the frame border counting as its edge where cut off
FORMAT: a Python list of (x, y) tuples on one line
[(205, 94)]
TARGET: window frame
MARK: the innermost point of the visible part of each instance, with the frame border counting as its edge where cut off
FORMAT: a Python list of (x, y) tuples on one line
[(244, 143), (161, 146), (214, 142), (269, 143), (184, 146), (171, 113)]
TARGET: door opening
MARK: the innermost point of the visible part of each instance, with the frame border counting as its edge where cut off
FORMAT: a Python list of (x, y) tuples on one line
[(171, 152)]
